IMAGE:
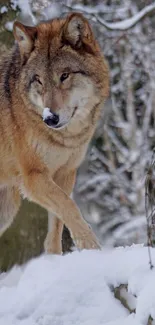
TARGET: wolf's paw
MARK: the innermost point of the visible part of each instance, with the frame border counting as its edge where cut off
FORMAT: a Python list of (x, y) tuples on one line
[(87, 241), (51, 246)]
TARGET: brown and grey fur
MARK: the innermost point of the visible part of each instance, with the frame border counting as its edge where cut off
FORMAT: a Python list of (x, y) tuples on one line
[(37, 161)]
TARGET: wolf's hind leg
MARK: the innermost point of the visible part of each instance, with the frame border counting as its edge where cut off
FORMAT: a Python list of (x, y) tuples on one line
[(9, 205)]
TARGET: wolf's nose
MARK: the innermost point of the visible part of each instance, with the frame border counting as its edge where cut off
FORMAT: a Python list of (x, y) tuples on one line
[(52, 120)]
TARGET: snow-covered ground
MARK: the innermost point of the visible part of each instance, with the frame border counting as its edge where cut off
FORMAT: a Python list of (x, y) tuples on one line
[(77, 289)]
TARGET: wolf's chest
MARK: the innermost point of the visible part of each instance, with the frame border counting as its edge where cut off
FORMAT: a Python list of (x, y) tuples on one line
[(55, 156), (52, 156)]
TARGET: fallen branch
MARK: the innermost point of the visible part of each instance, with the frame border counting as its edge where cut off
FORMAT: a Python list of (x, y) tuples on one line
[(121, 293)]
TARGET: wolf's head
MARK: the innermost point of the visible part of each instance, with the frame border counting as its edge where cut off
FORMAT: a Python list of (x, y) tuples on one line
[(62, 70)]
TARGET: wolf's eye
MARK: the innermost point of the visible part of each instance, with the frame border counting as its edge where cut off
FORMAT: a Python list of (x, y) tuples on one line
[(36, 78), (64, 76)]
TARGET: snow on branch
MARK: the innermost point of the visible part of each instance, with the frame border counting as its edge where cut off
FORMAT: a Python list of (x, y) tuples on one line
[(121, 25), (127, 23)]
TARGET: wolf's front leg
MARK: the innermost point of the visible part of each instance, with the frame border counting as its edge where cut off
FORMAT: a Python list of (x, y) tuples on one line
[(44, 191), (53, 242)]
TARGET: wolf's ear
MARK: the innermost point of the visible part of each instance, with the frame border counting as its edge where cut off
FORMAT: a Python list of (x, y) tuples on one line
[(77, 32), (25, 36)]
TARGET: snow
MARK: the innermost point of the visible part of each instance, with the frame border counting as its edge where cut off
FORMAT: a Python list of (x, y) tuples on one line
[(46, 113), (77, 289), (9, 26), (3, 9), (52, 11), (25, 8), (26, 11)]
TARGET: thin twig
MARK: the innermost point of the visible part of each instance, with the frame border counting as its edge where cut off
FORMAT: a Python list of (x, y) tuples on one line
[(149, 242)]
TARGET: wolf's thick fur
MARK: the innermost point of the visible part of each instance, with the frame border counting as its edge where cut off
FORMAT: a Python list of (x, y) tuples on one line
[(58, 65)]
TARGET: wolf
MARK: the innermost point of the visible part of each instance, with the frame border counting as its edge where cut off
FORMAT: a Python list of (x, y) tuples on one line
[(52, 86)]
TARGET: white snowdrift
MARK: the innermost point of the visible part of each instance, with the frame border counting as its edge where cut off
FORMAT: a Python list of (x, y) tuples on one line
[(76, 289)]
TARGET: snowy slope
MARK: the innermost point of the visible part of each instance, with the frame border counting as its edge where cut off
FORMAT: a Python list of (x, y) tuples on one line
[(76, 289)]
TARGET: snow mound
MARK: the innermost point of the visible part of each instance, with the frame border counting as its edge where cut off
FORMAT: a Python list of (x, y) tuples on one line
[(78, 289)]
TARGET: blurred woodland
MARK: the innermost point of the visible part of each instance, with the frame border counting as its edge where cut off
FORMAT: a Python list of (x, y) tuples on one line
[(110, 182)]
